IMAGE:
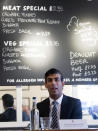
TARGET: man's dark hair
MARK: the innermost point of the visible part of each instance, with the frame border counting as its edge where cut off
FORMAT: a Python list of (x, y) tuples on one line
[(51, 72), (8, 100)]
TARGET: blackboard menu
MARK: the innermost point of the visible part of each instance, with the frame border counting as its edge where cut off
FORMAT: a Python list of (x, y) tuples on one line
[(36, 35)]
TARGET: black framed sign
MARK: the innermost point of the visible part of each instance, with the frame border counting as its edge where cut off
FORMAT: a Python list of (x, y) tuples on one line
[(37, 35)]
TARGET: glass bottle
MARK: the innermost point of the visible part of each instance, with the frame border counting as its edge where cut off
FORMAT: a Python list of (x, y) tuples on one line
[(34, 118)]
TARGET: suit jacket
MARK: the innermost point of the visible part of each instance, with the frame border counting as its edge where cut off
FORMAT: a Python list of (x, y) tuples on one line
[(70, 108), (8, 115)]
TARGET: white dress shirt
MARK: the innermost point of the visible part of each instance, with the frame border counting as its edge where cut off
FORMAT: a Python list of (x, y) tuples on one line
[(58, 101)]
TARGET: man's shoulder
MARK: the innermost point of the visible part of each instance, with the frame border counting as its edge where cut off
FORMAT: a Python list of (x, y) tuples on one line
[(43, 108), (4, 116), (44, 102), (69, 98), (8, 115), (10, 110)]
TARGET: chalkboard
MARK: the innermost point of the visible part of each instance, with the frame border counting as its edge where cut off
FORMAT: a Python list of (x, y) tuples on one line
[(36, 35)]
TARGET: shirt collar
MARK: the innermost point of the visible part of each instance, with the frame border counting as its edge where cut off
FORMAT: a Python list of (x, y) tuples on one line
[(59, 100), (9, 108)]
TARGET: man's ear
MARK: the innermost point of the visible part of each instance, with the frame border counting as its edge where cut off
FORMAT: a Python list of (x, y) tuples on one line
[(63, 83)]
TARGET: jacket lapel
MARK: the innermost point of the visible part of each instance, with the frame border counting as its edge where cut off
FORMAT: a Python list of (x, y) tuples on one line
[(47, 107), (63, 114)]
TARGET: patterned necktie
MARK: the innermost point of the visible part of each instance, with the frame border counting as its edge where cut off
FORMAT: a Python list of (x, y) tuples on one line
[(55, 121)]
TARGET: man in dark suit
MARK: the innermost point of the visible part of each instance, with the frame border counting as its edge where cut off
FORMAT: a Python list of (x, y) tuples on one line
[(68, 107), (10, 113)]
